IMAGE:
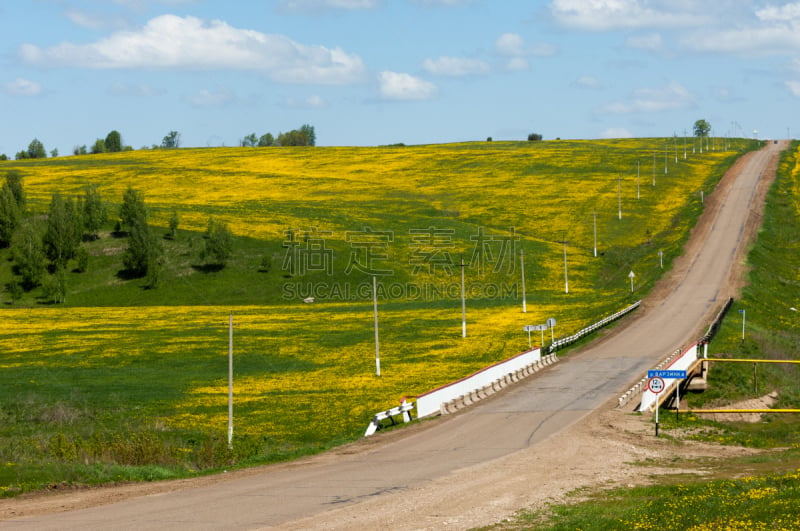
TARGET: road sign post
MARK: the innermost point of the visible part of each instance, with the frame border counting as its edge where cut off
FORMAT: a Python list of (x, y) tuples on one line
[(655, 385)]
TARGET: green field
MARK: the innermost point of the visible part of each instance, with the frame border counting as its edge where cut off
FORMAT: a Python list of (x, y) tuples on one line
[(122, 382)]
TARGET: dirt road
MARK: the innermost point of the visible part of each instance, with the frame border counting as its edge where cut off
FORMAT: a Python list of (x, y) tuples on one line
[(523, 446)]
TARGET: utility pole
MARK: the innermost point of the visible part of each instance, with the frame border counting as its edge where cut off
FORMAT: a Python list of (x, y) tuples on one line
[(522, 268), (230, 381), (375, 314), (463, 302), (566, 276)]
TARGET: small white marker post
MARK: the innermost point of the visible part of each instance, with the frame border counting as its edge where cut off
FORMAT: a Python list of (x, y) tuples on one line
[(638, 195), (743, 320), (529, 328), (375, 313), (463, 302), (522, 273), (631, 275), (661, 259)]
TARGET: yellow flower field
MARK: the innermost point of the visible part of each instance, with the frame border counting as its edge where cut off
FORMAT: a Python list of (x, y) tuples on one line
[(306, 372)]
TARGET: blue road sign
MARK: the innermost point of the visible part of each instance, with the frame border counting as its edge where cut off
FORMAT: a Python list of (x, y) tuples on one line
[(666, 374)]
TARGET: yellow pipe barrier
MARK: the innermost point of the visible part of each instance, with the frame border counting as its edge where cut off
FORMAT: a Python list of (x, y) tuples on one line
[(739, 411), (749, 361)]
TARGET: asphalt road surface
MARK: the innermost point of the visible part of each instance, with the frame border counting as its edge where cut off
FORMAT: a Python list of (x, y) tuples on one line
[(518, 418)]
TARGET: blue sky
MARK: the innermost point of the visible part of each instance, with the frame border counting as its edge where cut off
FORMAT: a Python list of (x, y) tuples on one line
[(370, 72)]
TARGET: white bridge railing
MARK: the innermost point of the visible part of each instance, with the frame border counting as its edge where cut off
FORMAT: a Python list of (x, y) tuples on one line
[(403, 409)]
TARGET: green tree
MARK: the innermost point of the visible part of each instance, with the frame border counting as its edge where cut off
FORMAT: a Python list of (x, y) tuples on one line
[(3, 156), (54, 287), (36, 150), (132, 209), (266, 140), (218, 244), (14, 183), (54, 152), (250, 140), (99, 146), (144, 253), (701, 128), (63, 230), (308, 132), (12, 205), (174, 221), (172, 140), (79, 150), (113, 142), (93, 211), (28, 253)]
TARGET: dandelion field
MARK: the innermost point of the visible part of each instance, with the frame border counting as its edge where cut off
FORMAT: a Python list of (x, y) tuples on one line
[(151, 365)]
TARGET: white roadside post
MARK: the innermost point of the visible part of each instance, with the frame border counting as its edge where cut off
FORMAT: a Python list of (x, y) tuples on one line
[(375, 313), (463, 302), (551, 324), (566, 275), (522, 274), (743, 321), (631, 275), (661, 259), (529, 328), (230, 381)]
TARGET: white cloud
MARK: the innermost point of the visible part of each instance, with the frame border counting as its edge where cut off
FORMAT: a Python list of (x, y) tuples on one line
[(589, 82), (401, 86), (122, 89), (517, 63), (172, 42), (604, 15), (509, 44), (208, 98), (782, 13), (765, 39), (455, 66), (616, 132), (794, 87), (93, 21), (324, 5), (673, 96), (23, 87), (311, 102), (446, 3), (651, 42), (513, 46)]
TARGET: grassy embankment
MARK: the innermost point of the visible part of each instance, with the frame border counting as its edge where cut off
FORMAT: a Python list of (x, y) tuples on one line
[(127, 383)]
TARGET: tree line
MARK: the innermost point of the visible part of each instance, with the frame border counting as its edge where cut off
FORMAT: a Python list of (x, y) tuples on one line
[(43, 246), (112, 143), (305, 136)]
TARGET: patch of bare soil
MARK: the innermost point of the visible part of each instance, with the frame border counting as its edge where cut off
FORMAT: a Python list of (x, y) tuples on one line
[(762, 402)]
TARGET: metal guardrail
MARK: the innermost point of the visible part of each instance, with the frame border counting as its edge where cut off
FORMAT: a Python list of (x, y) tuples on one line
[(564, 341), (714, 327)]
